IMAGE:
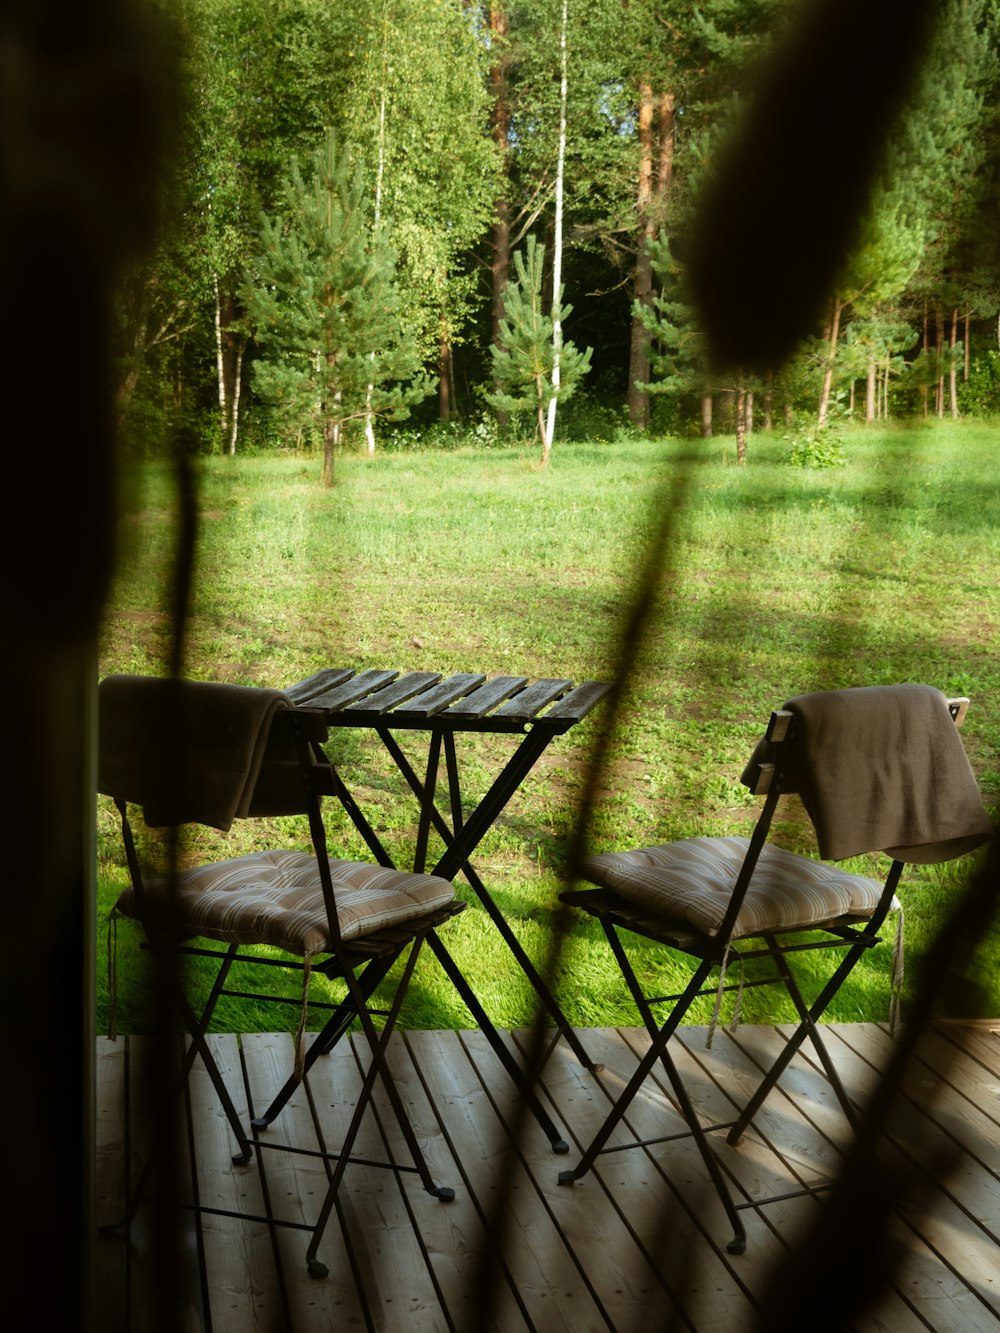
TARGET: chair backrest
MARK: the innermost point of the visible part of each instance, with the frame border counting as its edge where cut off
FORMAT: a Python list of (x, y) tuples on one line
[(200, 752), (878, 768)]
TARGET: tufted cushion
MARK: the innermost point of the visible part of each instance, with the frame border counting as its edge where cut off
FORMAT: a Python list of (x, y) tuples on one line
[(693, 879), (276, 898)]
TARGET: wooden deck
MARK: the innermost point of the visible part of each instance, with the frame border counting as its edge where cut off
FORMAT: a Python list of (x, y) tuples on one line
[(638, 1245)]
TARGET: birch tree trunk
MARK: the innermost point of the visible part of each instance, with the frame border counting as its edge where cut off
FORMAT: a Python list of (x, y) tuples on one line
[(237, 389), (500, 267), (229, 350), (542, 424), (741, 425), (557, 247), (870, 392), (377, 217), (824, 398), (706, 415), (220, 365)]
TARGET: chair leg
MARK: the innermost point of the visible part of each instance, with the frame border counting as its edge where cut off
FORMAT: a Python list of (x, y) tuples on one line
[(343, 1016), (657, 1047), (808, 1018), (521, 1081), (378, 1044), (659, 1051), (197, 1028)]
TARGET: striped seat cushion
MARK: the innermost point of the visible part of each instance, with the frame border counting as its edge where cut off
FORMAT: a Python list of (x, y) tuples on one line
[(693, 879), (276, 898)]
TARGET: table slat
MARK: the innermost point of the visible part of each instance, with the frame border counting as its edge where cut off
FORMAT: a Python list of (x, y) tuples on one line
[(578, 703), (531, 700), (463, 699), (353, 689), (305, 691), (439, 696), (479, 702), (379, 703)]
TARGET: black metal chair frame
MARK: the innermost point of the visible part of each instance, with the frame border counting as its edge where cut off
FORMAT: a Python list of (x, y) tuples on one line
[(854, 935), (361, 964)]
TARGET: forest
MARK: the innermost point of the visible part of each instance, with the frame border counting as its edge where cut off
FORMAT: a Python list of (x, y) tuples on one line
[(429, 221)]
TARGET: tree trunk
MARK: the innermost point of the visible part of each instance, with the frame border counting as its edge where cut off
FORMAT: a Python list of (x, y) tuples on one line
[(237, 392), (870, 392), (925, 405), (769, 406), (500, 267), (953, 367), (557, 247), (638, 362), (540, 416), (939, 386), (824, 398), (377, 218), (706, 416), (748, 412), (444, 377), (741, 425), (229, 347), (331, 435), (220, 368)]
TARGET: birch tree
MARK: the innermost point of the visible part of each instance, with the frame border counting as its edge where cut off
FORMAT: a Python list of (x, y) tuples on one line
[(417, 109), (558, 229)]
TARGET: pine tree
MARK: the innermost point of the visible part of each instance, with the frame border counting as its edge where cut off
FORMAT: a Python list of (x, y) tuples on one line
[(524, 360), (325, 305)]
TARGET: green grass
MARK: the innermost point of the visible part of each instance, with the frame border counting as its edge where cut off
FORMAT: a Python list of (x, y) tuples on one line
[(786, 580)]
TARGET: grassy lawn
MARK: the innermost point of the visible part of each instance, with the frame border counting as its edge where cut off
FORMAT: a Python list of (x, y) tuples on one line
[(779, 580)]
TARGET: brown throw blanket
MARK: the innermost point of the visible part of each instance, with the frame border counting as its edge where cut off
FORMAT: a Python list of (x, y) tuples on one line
[(186, 751), (882, 768)]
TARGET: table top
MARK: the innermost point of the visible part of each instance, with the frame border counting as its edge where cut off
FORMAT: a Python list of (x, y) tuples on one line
[(429, 700)]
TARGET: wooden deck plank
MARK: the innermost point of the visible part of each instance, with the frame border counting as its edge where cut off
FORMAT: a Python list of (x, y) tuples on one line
[(620, 1251), (297, 1186), (584, 1236), (404, 1228), (803, 1119), (141, 1236), (662, 1219), (244, 1291), (951, 1269), (525, 1277)]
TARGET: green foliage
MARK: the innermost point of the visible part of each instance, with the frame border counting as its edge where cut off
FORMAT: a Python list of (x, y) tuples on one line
[(819, 448), (325, 304), (524, 361), (412, 87), (415, 103), (981, 395)]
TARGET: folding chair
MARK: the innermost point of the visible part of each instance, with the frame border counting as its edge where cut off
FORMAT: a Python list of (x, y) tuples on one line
[(878, 769), (204, 753)]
